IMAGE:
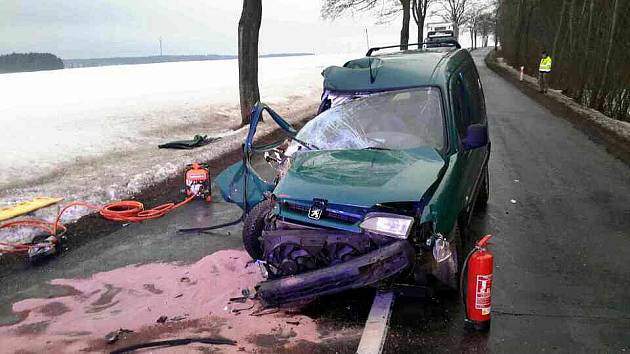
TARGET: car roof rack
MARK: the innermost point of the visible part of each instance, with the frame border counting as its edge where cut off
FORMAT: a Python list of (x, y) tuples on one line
[(452, 42)]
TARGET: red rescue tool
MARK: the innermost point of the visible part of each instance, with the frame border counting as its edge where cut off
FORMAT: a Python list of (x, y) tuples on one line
[(477, 286), (198, 181)]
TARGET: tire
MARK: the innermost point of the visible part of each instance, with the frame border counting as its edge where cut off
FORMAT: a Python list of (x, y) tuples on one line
[(459, 245), (253, 227), (484, 190)]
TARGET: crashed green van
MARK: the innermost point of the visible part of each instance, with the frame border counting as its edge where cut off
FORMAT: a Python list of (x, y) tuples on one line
[(380, 185)]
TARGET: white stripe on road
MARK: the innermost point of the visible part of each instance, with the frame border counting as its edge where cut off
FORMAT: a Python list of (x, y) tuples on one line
[(377, 324)]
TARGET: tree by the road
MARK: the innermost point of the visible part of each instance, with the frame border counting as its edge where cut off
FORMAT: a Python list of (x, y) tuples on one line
[(404, 31), (248, 31), (588, 40), (455, 12), (332, 9), (419, 10), (476, 13), (485, 27)]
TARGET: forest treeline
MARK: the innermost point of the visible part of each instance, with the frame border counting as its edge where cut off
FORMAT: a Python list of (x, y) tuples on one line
[(18, 62), (588, 40)]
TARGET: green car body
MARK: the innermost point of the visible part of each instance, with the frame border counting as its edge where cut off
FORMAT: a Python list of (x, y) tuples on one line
[(447, 179), (325, 195)]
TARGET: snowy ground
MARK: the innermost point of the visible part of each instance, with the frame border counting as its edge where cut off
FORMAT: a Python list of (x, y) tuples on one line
[(91, 134)]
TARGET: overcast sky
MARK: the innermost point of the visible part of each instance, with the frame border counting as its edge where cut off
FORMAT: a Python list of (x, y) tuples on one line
[(106, 28)]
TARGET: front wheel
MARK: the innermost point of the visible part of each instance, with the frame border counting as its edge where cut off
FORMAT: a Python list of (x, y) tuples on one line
[(253, 227), (484, 190)]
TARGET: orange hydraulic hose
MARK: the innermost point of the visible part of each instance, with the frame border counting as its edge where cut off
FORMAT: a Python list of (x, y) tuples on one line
[(125, 210)]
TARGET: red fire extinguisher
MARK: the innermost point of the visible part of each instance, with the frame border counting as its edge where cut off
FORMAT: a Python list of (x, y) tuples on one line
[(477, 286)]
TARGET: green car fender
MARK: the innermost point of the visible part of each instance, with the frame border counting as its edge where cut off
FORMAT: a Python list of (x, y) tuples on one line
[(446, 203)]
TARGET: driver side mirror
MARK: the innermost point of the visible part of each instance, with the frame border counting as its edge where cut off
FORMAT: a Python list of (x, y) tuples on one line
[(476, 136)]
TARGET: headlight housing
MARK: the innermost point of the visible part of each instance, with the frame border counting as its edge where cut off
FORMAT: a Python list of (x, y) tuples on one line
[(392, 225)]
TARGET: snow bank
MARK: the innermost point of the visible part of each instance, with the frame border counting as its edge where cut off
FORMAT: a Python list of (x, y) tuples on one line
[(91, 134)]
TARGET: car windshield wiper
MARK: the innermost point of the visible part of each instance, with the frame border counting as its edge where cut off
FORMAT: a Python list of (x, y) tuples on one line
[(304, 143), (376, 148)]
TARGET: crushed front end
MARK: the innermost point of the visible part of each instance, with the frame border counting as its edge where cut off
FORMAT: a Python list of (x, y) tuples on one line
[(306, 261), (333, 229)]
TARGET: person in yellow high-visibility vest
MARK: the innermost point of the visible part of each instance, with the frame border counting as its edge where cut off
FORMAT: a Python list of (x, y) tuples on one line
[(543, 70)]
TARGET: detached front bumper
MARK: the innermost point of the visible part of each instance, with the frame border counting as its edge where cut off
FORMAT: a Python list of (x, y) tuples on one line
[(359, 272)]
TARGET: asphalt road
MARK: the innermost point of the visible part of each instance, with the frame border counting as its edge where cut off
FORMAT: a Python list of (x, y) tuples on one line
[(562, 275)]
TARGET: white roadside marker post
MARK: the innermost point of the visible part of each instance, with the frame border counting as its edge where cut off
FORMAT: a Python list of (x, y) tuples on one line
[(377, 324), (521, 76)]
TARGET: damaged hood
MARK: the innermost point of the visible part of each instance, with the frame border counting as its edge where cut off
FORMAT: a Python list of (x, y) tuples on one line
[(361, 177)]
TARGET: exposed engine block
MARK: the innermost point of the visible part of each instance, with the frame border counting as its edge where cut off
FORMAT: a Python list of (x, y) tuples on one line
[(290, 252)]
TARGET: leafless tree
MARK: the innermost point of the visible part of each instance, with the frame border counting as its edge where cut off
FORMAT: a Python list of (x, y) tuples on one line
[(455, 12), (248, 31), (475, 12), (404, 31), (486, 26), (332, 9), (419, 10)]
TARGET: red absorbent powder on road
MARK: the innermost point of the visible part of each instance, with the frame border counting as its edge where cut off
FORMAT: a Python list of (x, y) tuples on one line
[(189, 300)]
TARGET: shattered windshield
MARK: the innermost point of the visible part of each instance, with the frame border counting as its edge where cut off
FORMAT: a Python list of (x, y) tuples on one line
[(395, 120)]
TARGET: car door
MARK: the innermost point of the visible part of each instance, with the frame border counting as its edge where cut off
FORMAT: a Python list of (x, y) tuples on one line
[(476, 114), (468, 108)]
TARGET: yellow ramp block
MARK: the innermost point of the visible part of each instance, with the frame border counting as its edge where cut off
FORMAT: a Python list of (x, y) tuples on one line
[(26, 207)]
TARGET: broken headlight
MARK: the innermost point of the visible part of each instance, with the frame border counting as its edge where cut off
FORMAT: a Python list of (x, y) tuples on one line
[(392, 225)]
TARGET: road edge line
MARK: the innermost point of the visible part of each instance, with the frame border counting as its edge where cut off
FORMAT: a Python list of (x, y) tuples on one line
[(377, 324)]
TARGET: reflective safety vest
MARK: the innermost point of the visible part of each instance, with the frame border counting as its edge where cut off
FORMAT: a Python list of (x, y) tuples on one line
[(545, 64)]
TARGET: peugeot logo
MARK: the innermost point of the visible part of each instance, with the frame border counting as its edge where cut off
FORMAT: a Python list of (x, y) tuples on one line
[(316, 210), (315, 213)]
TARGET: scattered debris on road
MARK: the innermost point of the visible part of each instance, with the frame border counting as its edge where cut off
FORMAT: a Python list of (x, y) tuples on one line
[(114, 336)]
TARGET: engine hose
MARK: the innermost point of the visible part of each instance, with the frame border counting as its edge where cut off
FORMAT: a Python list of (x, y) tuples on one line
[(462, 276), (125, 211), (213, 227), (173, 343)]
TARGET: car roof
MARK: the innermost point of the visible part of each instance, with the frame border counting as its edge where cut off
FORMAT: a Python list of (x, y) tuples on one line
[(403, 69)]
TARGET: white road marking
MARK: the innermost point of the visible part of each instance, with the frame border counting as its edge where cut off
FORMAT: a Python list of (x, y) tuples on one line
[(377, 324)]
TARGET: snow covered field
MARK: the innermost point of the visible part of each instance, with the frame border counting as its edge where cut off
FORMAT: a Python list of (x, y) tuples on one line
[(92, 133)]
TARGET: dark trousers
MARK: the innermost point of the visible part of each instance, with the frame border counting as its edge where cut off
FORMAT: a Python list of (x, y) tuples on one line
[(542, 81)]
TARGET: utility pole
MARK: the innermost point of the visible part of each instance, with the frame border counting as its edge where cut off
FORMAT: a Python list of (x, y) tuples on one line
[(367, 38), (160, 46)]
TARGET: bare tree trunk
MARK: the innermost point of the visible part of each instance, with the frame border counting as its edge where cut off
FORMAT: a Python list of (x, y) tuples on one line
[(570, 23), (518, 33), (420, 30), (248, 31), (584, 73), (559, 30), (404, 32), (527, 28), (496, 23), (419, 12), (608, 53)]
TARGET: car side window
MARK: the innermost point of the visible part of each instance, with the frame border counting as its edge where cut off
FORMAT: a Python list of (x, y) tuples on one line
[(459, 106), (476, 104)]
